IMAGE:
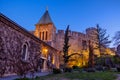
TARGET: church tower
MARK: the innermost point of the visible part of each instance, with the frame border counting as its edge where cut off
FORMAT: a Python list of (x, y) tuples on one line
[(45, 29)]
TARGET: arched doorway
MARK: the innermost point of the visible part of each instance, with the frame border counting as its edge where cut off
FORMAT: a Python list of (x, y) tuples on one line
[(43, 64)]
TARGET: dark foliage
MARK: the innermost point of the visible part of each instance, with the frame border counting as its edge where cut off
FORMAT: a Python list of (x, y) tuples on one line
[(118, 69), (90, 69), (99, 68), (67, 69), (76, 67), (102, 39), (91, 56), (22, 79), (66, 46), (56, 71), (116, 59), (116, 38)]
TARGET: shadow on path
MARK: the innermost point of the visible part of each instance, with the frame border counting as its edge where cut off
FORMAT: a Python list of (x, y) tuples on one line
[(12, 77)]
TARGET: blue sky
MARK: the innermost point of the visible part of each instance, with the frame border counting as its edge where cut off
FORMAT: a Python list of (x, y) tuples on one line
[(79, 14)]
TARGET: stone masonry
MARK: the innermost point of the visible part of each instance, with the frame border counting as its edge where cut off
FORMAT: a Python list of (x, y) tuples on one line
[(13, 40)]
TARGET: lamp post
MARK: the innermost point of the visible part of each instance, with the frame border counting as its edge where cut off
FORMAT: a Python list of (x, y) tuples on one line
[(45, 52)]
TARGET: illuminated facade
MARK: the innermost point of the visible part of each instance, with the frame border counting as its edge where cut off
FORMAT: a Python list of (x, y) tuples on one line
[(46, 31)]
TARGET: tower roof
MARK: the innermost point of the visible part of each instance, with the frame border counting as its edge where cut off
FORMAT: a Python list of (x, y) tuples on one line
[(45, 19)]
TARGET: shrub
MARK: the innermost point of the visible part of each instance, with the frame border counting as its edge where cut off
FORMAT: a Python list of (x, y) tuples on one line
[(75, 67), (22, 79), (56, 71), (90, 69), (118, 69), (99, 68), (67, 69)]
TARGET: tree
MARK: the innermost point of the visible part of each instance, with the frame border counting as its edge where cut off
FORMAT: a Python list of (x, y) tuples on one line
[(102, 39), (91, 56), (66, 46), (116, 38)]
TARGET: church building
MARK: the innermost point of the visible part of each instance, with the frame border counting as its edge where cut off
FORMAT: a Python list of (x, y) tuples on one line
[(19, 47)]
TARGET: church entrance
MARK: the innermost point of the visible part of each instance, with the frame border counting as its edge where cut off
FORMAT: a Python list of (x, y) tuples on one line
[(43, 66)]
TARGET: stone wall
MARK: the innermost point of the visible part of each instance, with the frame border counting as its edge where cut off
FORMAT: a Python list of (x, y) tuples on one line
[(78, 42), (12, 40), (75, 40)]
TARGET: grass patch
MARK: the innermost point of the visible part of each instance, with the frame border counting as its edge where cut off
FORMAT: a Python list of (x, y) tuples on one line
[(81, 76), (92, 76)]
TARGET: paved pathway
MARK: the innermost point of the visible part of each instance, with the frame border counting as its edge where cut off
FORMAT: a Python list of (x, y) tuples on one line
[(118, 77), (28, 75)]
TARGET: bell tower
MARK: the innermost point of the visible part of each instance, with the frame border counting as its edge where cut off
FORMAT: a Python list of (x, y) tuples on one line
[(45, 29)]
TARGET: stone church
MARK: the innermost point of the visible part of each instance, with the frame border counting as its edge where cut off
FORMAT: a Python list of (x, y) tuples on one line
[(18, 47)]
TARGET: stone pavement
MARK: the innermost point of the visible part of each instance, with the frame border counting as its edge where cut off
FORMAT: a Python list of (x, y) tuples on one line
[(12, 77), (118, 77)]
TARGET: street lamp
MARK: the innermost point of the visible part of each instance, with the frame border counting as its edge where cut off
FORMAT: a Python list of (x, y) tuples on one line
[(45, 51)]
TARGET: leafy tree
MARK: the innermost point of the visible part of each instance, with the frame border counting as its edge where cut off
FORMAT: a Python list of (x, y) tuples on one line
[(116, 38), (116, 59), (102, 42), (102, 39)]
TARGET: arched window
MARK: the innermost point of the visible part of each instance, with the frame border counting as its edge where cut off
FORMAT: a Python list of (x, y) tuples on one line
[(25, 52), (46, 35), (43, 36), (40, 35)]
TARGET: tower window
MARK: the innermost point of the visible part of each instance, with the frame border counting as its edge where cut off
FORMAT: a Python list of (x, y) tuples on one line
[(42, 35), (46, 35)]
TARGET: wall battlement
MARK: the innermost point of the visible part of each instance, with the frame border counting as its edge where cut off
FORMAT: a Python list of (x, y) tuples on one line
[(77, 34)]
